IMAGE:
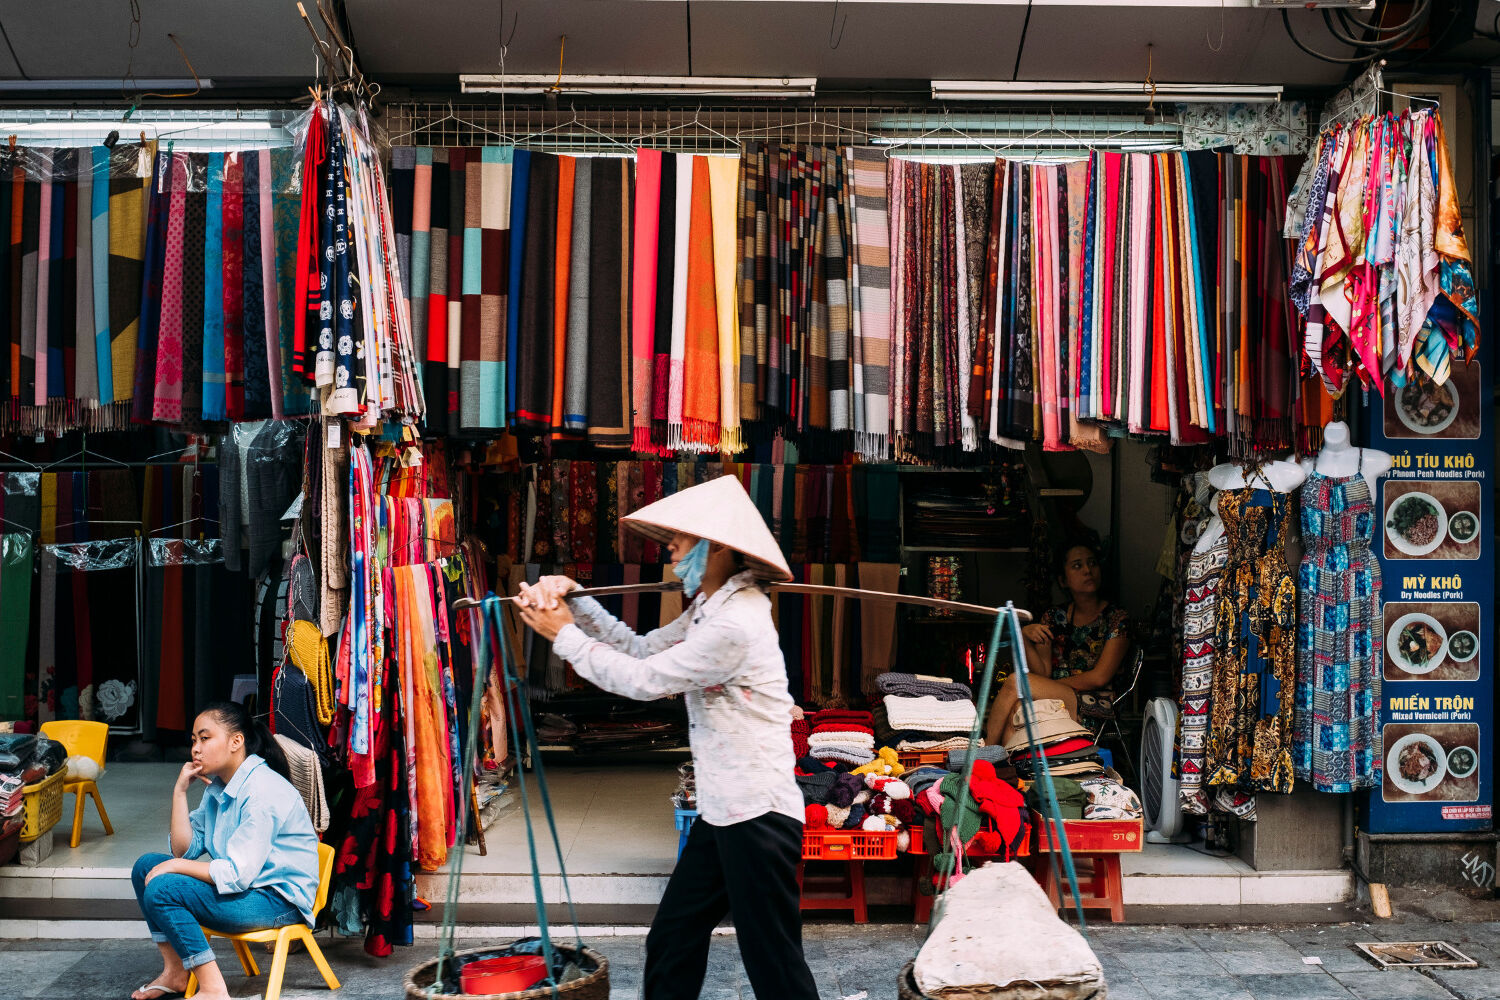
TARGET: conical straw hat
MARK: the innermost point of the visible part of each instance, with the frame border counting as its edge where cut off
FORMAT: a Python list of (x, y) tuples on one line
[(721, 511)]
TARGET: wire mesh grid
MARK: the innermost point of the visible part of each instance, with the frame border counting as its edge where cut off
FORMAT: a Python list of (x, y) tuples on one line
[(188, 128), (726, 129)]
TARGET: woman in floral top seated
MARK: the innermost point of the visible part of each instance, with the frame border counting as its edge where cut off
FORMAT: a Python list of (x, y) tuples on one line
[(1072, 651)]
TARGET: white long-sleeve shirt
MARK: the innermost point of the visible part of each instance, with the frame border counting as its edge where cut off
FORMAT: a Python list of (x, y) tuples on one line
[(723, 656)]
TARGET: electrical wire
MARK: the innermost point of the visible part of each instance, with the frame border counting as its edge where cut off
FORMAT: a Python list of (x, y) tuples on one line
[(1379, 49), (15, 58), (1379, 45), (1015, 74), (1417, 13)]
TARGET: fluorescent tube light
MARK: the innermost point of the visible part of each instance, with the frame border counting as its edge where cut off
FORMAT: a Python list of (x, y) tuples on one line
[(96, 83), (1134, 92), (715, 86)]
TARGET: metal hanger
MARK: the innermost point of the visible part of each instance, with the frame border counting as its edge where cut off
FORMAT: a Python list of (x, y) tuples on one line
[(945, 127), (451, 117), (696, 122), (576, 122), (814, 121), (18, 458)]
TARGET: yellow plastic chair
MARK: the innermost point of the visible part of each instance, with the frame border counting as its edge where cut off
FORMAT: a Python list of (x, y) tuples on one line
[(82, 739), (282, 938)]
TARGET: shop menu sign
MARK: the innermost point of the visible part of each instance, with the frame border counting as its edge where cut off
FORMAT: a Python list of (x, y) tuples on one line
[(1435, 543)]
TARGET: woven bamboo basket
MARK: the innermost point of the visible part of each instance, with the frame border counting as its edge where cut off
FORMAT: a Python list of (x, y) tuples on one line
[(906, 989), (593, 986)]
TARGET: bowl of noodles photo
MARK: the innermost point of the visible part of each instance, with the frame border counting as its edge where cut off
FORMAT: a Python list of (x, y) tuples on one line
[(1426, 408), (1416, 523), (1417, 643), (1416, 764)]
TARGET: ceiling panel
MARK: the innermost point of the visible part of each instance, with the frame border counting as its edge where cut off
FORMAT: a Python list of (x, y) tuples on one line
[(905, 43), (224, 39)]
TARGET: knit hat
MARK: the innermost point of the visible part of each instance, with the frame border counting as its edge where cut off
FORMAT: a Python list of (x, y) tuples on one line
[(838, 816), (958, 758), (843, 790), (915, 685), (721, 511), (1053, 723), (815, 817), (886, 762), (844, 752), (815, 787)]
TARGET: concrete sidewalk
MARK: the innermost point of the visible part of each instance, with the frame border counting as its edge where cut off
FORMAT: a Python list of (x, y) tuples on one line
[(1141, 963)]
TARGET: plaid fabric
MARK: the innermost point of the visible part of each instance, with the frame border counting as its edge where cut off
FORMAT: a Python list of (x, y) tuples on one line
[(1336, 741)]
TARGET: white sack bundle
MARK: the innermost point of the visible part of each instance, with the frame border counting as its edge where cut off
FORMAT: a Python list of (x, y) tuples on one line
[(1000, 939)]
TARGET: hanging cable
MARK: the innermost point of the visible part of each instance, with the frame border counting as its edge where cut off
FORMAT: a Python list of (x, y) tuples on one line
[(15, 58), (1378, 50)]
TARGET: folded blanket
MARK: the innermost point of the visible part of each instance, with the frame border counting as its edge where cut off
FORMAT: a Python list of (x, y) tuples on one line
[(958, 758), (843, 727), (849, 755), (927, 713), (841, 739), (916, 685), (922, 746), (842, 715)]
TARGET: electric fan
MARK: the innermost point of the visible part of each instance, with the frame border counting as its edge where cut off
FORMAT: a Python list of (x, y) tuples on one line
[(1158, 785)]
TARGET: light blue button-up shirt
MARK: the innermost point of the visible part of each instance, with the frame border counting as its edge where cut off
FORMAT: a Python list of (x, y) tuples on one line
[(257, 832)]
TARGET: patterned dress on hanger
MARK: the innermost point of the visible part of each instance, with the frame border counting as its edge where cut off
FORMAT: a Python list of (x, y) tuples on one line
[(1205, 571), (1255, 632), (1337, 741)]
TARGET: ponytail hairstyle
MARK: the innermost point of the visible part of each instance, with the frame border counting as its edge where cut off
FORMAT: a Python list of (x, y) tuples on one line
[(236, 718)]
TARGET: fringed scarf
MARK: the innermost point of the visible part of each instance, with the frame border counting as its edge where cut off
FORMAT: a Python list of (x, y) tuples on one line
[(643, 277), (698, 429), (870, 232), (570, 392), (723, 176)]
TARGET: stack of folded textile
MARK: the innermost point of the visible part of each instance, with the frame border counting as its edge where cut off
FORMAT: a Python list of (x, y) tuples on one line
[(871, 798), (24, 760), (925, 713), (844, 736), (11, 799), (1068, 747)]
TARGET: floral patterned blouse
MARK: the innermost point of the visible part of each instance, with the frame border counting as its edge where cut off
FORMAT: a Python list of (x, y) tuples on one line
[(1077, 648)]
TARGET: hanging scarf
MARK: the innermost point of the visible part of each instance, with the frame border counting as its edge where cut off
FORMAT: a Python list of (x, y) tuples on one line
[(472, 384), (487, 199), (612, 360), (644, 278), (257, 376), (870, 224), (534, 358), (434, 332), (169, 355), (520, 200), (571, 350), (698, 429), (723, 175), (234, 288)]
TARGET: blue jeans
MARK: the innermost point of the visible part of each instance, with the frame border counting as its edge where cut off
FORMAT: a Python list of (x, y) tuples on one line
[(177, 907)]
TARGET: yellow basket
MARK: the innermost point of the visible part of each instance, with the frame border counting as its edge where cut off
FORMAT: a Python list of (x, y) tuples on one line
[(44, 803)]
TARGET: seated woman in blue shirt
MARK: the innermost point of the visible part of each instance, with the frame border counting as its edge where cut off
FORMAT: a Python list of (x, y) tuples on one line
[(261, 864)]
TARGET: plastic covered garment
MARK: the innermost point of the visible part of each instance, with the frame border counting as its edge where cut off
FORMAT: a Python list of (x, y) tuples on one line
[(1029, 955)]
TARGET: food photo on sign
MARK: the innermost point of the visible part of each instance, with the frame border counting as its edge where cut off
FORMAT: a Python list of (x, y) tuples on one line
[(1431, 762), (1422, 409), (1432, 519), (1432, 641)]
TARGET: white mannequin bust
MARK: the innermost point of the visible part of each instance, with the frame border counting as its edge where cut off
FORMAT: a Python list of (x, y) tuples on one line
[(1279, 476), (1213, 530), (1340, 460)]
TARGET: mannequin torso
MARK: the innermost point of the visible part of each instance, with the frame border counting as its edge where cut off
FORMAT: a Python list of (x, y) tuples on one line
[(1339, 460), (1212, 531), (1279, 476)]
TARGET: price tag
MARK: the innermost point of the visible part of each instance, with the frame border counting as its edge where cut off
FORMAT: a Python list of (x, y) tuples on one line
[(335, 434)]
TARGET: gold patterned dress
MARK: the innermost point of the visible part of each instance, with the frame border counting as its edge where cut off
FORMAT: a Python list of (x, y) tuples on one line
[(1255, 653)]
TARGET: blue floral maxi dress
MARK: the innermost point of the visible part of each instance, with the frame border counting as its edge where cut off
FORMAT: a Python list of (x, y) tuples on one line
[(1336, 741)]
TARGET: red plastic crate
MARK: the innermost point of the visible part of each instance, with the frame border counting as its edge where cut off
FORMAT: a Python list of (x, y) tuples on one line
[(848, 845), (1092, 836), (918, 836), (911, 759)]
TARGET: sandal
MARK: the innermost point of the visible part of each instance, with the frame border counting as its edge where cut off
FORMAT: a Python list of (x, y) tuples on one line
[(163, 991)]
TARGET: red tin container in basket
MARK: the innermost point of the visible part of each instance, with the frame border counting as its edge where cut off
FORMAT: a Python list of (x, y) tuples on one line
[(509, 974)]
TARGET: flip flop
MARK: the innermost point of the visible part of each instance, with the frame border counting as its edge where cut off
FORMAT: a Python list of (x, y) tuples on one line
[(163, 992)]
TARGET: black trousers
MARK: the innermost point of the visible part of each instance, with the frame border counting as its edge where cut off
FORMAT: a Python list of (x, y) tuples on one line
[(748, 870)]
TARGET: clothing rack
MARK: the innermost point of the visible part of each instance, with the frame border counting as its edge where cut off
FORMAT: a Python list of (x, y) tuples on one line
[(726, 128)]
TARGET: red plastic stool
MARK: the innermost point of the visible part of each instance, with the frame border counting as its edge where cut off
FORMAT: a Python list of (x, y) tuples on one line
[(836, 892), (1099, 889)]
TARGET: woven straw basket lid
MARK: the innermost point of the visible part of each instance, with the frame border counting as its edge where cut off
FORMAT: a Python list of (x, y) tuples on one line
[(721, 511)]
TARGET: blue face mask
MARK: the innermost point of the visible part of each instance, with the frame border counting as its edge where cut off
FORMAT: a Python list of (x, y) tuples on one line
[(690, 568)]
